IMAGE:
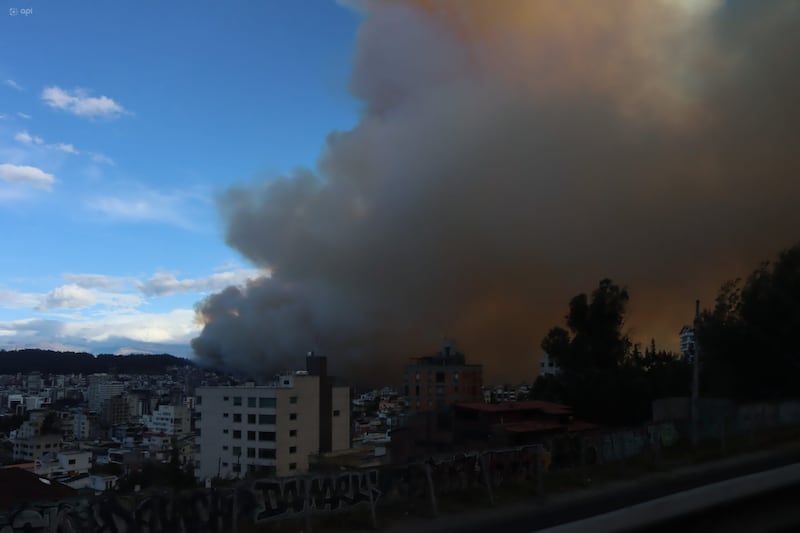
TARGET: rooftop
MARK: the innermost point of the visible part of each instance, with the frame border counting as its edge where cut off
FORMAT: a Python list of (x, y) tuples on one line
[(525, 405), (19, 486)]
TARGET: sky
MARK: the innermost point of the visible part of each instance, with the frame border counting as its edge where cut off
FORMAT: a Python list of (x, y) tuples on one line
[(120, 122), (245, 181)]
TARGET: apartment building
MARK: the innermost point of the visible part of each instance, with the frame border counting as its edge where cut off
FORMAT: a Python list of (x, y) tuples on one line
[(169, 420), (271, 429), (435, 383)]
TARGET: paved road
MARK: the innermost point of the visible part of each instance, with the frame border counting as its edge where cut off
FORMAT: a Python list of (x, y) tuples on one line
[(772, 512), (547, 513)]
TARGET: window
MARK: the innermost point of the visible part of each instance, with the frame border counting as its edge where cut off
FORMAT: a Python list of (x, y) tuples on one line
[(224, 398), (225, 464), (292, 449), (224, 415), (237, 417), (292, 432), (251, 453), (292, 466), (237, 467), (198, 400), (286, 382), (292, 399), (266, 419), (224, 448), (266, 436), (336, 412), (224, 431), (292, 416), (440, 377), (237, 400), (251, 435), (265, 403), (251, 419), (266, 453), (72, 461), (251, 401), (237, 433), (237, 451), (416, 390), (197, 431)]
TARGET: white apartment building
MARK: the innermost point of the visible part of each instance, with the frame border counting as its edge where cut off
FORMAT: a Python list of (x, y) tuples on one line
[(270, 429), (33, 448), (71, 462), (169, 419)]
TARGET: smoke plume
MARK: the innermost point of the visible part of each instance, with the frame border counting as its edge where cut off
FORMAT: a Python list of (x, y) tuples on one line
[(510, 155)]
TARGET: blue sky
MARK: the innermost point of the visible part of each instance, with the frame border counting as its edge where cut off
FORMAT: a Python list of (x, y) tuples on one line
[(119, 123)]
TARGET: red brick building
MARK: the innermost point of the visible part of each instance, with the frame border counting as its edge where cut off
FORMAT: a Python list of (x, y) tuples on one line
[(434, 383)]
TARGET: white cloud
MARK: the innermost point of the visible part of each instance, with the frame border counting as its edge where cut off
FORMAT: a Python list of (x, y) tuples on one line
[(27, 138), (75, 296), (13, 85), (18, 300), (26, 116), (101, 158), (128, 330), (95, 281), (64, 147), (175, 326), (26, 175), (166, 283), (78, 102), (68, 297), (143, 205)]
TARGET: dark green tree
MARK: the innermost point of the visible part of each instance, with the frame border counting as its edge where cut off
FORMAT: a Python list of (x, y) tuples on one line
[(750, 347), (604, 376)]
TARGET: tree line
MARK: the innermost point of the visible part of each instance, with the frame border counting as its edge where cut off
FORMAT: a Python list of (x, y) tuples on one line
[(749, 346), (52, 362)]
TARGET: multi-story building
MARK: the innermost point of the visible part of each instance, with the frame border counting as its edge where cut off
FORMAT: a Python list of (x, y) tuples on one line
[(115, 410), (33, 448), (688, 347), (101, 388), (67, 462), (271, 429), (435, 383), (169, 420), (548, 365)]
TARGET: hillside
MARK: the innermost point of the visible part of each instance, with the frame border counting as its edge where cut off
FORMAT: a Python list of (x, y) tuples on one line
[(51, 362)]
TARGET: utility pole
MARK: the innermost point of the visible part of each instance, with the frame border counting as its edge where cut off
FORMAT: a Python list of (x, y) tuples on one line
[(695, 414)]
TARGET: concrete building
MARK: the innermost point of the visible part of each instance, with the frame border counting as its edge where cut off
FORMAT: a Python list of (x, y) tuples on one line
[(688, 345), (548, 366), (169, 420), (435, 383), (271, 429), (33, 448), (101, 388), (63, 463)]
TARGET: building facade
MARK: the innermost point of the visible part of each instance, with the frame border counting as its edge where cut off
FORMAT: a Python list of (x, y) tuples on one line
[(169, 420), (688, 346), (270, 429), (548, 366), (435, 383)]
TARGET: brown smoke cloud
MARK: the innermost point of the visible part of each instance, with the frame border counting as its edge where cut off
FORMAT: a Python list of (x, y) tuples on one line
[(511, 154)]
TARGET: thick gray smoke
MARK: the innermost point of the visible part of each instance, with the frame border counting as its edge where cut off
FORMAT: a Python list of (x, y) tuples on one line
[(510, 155)]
